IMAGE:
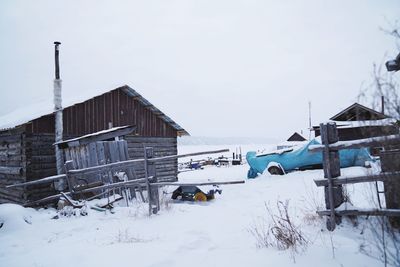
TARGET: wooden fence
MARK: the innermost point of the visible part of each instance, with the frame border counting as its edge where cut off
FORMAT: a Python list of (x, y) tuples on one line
[(149, 182), (333, 180)]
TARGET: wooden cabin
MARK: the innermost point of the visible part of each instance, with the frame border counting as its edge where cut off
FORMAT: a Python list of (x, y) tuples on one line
[(27, 152), (358, 122)]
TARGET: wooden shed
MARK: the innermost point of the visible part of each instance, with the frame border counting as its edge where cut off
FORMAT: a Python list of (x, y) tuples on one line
[(296, 137), (358, 122), (27, 152)]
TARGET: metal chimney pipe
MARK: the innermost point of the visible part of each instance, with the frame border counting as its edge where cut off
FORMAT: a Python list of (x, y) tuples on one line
[(57, 61), (61, 185)]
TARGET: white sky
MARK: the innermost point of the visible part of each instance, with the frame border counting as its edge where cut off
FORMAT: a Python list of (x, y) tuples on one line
[(218, 68)]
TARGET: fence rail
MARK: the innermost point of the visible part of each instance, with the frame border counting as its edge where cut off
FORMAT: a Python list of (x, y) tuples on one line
[(147, 182), (111, 167), (360, 179), (130, 163), (367, 142), (363, 212)]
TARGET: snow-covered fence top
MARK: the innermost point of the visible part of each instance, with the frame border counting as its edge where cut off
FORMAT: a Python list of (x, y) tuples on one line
[(372, 141)]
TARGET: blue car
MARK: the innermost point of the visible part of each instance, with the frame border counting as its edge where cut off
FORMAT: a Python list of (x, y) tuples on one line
[(300, 158)]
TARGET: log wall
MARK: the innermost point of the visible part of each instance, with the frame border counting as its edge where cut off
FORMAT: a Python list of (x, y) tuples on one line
[(12, 166), (40, 163)]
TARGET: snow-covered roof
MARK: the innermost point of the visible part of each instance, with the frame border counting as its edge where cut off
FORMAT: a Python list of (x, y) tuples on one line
[(41, 108), (356, 124)]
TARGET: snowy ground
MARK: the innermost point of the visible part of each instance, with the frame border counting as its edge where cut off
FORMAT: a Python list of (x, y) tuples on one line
[(187, 234)]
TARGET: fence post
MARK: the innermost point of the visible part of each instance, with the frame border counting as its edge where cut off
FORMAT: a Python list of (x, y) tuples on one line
[(150, 170), (146, 174), (69, 165), (390, 162), (331, 163)]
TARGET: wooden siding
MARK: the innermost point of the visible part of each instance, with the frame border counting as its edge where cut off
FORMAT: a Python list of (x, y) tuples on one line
[(95, 115), (165, 170), (34, 153), (12, 155)]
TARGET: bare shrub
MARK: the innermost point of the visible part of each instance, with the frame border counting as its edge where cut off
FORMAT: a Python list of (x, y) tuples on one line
[(125, 237), (312, 201), (384, 83), (166, 201), (260, 231), (384, 242), (281, 233)]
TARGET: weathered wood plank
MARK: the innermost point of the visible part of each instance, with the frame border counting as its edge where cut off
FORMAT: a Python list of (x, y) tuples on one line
[(93, 160), (363, 212), (359, 179), (11, 170), (108, 186), (95, 137), (12, 193), (40, 181), (11, 152), (367, 142), (198, 184), (38, 174), (130, 163), (138, 139)]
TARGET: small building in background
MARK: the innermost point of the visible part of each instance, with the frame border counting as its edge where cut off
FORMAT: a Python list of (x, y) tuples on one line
[(27, 138), (359, 122), (294, 140), (296, 137)]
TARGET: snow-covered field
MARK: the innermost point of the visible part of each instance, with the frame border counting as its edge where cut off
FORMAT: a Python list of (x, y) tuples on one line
[(216, 233)]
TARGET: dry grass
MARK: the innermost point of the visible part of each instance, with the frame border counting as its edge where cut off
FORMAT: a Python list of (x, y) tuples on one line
[(280, 233)]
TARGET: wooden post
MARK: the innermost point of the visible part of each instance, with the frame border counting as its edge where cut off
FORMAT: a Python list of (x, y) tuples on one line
[(69, 165), (331, 163), (150, 169), (390, 162), (148, 187)]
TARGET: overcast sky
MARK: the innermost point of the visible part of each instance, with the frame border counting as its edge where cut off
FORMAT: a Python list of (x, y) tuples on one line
[(218, 68)]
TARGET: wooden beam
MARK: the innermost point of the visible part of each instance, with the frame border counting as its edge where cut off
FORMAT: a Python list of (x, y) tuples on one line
[(363, 212), (197, 184), (114, 185), (367, 142), (108, 186), (130, 163), (40, 181), (46, 199), (359, 179), (11, 170), (99, 136)]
